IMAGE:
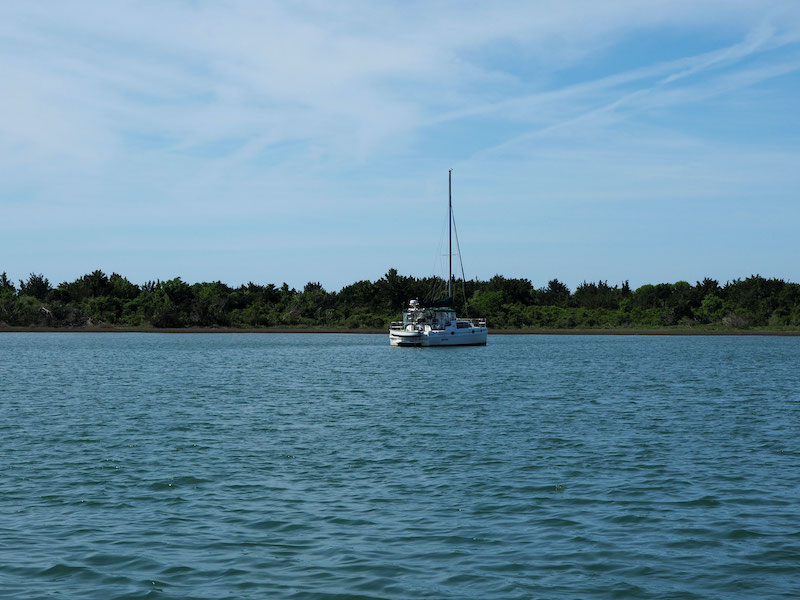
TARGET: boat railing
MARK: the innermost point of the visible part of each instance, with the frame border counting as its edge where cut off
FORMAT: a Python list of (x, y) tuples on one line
[(479, 321), (396, 325)]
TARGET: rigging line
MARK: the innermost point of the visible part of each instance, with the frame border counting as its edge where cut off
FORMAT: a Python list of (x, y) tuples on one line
[(437, 262), (434, 292), (461, 262)]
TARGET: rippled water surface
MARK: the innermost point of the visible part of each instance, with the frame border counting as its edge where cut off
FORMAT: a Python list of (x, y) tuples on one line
[(334, 466)]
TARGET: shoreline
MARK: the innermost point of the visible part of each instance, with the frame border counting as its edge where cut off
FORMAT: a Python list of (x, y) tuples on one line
[(190, 330)]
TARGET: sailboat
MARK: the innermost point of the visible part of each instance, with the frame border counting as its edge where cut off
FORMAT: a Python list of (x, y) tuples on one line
[(436, 323)]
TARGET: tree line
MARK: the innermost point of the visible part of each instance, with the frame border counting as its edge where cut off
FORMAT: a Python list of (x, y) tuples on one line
[(99, 299)]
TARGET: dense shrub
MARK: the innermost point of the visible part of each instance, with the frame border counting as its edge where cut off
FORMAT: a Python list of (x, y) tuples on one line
[(505, 302)]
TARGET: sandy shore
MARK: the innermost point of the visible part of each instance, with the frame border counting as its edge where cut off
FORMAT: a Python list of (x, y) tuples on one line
[(747, 332)]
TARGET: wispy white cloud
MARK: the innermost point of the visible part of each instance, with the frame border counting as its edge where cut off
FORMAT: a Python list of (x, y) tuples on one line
[(605, 101), (173, 112), (264, 74)]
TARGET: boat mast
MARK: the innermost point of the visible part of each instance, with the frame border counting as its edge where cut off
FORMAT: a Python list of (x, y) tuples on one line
[(450, 230)]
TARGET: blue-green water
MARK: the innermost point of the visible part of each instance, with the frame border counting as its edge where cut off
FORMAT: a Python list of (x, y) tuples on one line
[(334, 466)]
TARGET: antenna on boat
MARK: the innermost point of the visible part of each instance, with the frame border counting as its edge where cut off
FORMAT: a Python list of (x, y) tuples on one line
[(450, 230)]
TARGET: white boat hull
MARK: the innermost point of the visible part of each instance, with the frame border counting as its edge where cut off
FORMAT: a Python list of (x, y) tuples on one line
[(474, 336)]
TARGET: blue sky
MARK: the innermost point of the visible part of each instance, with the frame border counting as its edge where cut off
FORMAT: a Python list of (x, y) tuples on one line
[(268, 142)]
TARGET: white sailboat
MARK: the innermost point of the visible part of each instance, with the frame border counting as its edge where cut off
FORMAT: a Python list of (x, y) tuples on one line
[(436, 323)]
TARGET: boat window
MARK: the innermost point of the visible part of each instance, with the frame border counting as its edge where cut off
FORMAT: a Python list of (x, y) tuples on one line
[(463, 325)]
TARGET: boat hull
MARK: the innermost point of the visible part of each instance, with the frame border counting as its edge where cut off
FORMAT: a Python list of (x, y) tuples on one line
[(475, 336)]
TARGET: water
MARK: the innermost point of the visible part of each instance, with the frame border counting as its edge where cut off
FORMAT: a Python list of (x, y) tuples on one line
[(334, 466)]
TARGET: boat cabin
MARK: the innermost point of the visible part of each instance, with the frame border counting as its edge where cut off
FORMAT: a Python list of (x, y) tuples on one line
[(437, 318)]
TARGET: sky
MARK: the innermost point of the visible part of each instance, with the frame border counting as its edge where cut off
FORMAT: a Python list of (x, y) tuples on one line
[(649, 141)]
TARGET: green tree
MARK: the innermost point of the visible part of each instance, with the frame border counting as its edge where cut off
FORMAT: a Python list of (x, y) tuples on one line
[(8, 299), (6, 284), (120, 287), (489, 304), (210, 304), (36, 286), (712, 309), (555, 294)]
